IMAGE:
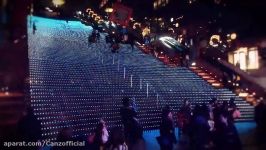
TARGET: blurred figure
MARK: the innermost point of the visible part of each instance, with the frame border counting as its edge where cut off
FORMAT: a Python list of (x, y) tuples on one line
[(34, 28), (114, 47), (100, 136), (108, 39), (133, 129), (200, 129), (167, 137), (183, 117), (226, 135), (92, 37), (64, 135), (117, 140), (131, 42), (97, 34), (260, 118), (29, 127), (234, 112)]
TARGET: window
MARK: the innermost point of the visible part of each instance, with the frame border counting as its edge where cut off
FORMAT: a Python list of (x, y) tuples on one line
[(253, 60)]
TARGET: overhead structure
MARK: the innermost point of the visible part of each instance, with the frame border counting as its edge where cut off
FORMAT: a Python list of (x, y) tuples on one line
[(121, 14)]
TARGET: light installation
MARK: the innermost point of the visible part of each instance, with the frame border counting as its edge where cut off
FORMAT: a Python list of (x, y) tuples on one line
[(74, 85)]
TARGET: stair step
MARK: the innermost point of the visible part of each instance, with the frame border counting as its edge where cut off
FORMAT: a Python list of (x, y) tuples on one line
[(202, 74), (243, 94), (216, 84), (193, 67), (198, 71), (207, 77), (212, 81)]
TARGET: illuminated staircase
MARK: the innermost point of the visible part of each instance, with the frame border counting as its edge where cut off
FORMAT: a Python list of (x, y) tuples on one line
[(209, 77), (247, 111)]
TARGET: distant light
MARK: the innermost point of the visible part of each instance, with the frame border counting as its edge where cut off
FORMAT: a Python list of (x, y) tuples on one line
[(88, 10), (146, 31), (172, 19), (48, 9), (79, 12), (177, 25), (136, 24), (193, 64), (243, 94), (58, 2), (219, 58), (16, 41), (138, 43), (233, 36), (213, 42), (109, 10)]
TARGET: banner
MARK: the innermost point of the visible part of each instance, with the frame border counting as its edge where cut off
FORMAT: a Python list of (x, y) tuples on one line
[(121, 14)]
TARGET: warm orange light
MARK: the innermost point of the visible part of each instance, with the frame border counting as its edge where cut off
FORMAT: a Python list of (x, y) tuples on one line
[(146, 31), (233, 36), (241, 94), (215, 38), (58, 2), (109, 10), (88, 9)]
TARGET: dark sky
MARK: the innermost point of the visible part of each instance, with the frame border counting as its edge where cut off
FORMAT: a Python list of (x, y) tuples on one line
[(244, 16)]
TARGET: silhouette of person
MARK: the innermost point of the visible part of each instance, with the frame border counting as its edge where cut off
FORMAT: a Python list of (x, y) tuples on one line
[(34, 28)]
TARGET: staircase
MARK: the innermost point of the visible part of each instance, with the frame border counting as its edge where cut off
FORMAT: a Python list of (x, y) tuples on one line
[(209, 77), (74, 85), (243, 97)]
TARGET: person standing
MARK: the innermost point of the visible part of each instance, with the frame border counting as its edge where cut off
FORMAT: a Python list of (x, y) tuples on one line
[(167, 137), (127, 114), (34, 28), (183, 117)]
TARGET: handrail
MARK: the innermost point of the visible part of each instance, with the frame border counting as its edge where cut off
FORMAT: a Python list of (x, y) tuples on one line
[(246, 80)]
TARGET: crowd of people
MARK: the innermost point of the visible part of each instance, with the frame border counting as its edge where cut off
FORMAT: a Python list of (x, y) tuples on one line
[(113, 39), (260, 119), (203, 127), (209, 126)]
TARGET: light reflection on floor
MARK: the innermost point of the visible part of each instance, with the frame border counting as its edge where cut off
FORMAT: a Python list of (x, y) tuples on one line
[(246, 131)]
